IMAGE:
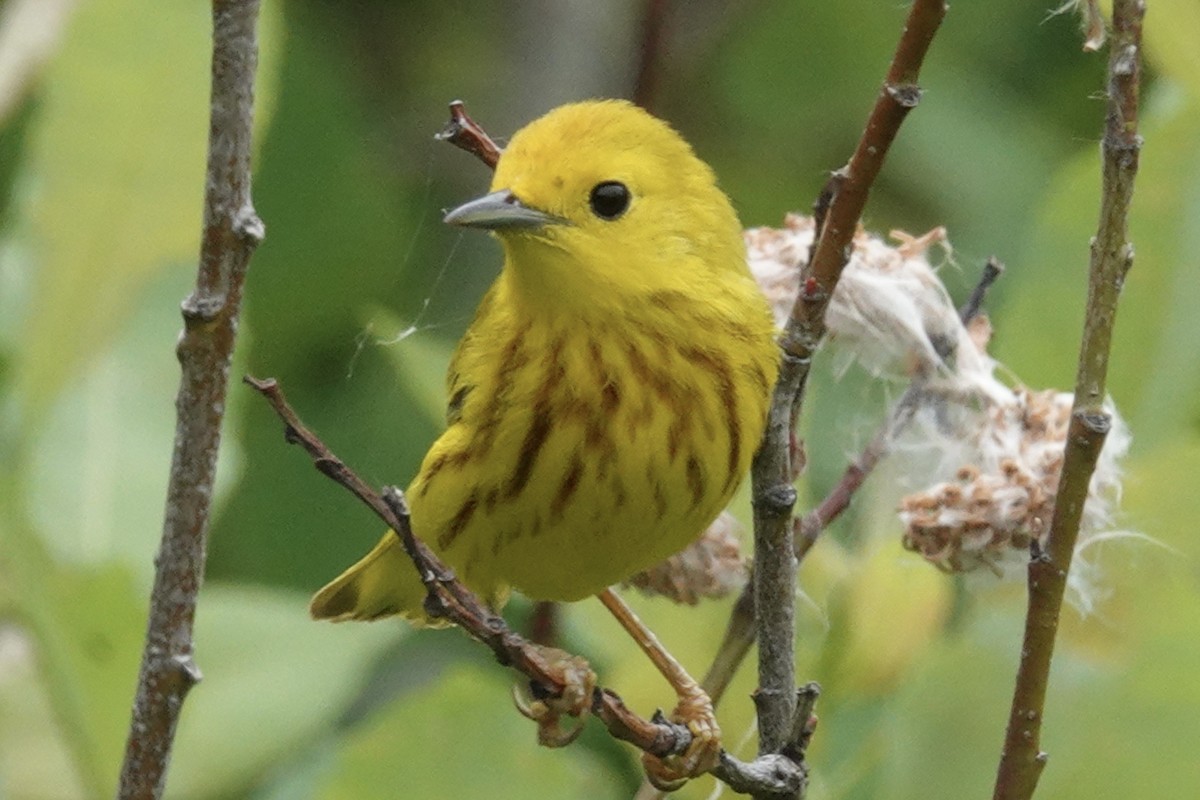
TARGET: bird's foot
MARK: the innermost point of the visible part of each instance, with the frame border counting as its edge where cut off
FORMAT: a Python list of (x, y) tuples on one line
[(695, 712), (548, 709)]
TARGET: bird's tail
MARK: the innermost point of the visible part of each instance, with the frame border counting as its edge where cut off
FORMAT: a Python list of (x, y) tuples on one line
[(382, 584)]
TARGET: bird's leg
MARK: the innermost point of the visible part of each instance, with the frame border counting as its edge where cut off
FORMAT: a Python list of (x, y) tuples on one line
[(575, 700), (695, 709)]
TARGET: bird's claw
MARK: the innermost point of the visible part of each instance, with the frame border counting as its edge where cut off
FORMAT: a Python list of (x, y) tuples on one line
[(548, 710), (668, 773)]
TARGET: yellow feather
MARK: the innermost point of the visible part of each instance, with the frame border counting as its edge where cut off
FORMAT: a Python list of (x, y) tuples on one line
[(374, 588), (609, 394)]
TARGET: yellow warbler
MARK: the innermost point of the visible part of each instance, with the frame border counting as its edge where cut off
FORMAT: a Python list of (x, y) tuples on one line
[(613, 386)]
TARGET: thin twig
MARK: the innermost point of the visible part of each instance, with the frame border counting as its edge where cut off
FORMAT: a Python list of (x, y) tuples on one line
[(771, 776), (462, 132), (449, 599), (735, 646), (543, 623), (231, 232), (1022, 761), (820, 209), (773, 495), (992, 270), (814, 523), (654, 24)]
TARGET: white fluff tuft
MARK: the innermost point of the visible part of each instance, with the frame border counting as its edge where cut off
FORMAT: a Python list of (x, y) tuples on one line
[(988, 455)]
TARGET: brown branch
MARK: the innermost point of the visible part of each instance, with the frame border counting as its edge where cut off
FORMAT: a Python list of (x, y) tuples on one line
[(775, 570), (654, 25), (543, 623), (231, 232), (450, 599), (1022, 760), (900, 94), (813, 524), (462, 132)]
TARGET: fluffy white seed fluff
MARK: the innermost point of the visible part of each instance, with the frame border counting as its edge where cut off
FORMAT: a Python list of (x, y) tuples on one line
[(990, 454)]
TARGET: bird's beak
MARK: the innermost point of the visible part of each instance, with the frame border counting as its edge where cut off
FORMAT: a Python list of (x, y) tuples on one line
[(499, 211)]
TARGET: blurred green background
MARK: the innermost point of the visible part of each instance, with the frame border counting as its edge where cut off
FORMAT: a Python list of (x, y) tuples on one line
[(103, 119)]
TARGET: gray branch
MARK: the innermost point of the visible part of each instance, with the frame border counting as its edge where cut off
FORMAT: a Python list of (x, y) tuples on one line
[(774, 577), (230, 234)]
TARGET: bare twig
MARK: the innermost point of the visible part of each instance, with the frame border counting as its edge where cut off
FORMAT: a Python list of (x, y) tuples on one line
[(775, 564), (992, 270), (462, 132), (735, 646), (820, 209), (231, 232), (543, 623), (654, 23), (1022, 761), (449, 599), (812, 524)]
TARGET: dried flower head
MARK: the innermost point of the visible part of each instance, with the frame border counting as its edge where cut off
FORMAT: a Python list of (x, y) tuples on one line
[(994, 507), (993, 452), (711, 567)]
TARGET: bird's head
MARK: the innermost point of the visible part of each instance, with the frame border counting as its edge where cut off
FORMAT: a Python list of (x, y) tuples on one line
[(601, 196)]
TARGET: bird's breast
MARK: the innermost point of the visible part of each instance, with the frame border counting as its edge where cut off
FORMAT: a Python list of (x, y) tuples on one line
[(583, 454)]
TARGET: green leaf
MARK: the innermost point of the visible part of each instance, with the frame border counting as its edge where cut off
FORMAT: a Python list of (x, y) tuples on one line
[(13, 134), (86, 628), (1154, 374), (117, 154), (264, 663), (98, 470), (273, 681), (461, 738), (1170, 36), (34, 761)]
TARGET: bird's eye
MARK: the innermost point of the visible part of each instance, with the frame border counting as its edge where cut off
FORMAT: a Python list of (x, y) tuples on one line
[(609, 199)]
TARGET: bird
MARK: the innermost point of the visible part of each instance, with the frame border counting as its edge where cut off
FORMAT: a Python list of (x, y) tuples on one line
[(607, 399)]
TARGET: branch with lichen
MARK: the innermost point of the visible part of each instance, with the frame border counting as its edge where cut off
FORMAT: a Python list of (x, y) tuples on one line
[(552, 673), (771, 475), (1022, 760), (231, 232)]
